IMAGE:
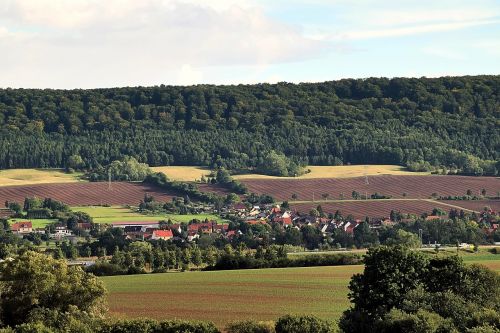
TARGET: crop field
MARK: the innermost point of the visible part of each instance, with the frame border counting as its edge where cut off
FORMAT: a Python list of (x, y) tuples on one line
[(183, 173), (213, 188), (341, 171), (79, 194), (225, 296), (414, 187), (36, 176), (117, 214), (372, 208), (477, 205)]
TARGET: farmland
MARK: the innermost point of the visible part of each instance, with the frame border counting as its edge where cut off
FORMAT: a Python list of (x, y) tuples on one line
[(341, 171), (373, 208), (183, 173), (36, 176), (79, 194), (409, 194), (224, 296), (477, 205), (117, 214), (414, 187)]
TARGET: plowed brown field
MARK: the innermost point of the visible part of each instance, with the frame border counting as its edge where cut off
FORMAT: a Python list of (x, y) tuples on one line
[(477, 205), (81, 194), (372, 208), (417, 187)]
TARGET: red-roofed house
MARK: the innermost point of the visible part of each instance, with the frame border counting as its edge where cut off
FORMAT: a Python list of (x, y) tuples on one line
[(162, 234), (220, 228), (22, 227), (284, 221), (206, 228), (253, 222)]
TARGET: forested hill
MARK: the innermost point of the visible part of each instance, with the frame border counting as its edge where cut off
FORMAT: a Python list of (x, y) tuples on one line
[(450, 121)]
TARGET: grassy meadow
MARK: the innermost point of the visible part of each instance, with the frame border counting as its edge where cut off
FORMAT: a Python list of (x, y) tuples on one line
[(124, 214), (225, 296), (36, 176), (36, 223)]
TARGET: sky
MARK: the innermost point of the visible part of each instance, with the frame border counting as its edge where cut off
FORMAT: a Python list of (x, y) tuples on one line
[(110, 43)]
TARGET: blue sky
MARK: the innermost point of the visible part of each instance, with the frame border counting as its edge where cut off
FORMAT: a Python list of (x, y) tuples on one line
[(94, 43)]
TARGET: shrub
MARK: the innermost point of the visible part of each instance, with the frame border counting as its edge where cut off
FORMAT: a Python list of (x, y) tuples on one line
[(303, 324), (250, 326), (153, 326), (104, 268)]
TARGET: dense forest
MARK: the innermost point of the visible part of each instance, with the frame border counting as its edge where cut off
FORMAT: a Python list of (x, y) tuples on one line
[(449, 122)]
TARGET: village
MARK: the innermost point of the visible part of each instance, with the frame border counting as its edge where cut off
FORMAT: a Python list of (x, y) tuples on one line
[(240, 219)]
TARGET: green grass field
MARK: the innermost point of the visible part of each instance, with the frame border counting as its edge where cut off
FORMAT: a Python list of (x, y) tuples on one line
[(225, 296), (37, 223), (124, 214)]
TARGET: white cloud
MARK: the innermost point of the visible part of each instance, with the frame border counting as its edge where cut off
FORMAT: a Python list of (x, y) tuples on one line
[(138, 42), (188, 75), (409, 30)]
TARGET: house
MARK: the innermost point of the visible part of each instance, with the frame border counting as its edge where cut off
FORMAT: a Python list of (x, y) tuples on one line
[(240, 207), (220, 228), (133, 231), (205, 228), (192, 235), (254, 222), (85, 226), (433, 217), (350, 226), (162, 234), (284, 221), (22, 227), (61, 232)]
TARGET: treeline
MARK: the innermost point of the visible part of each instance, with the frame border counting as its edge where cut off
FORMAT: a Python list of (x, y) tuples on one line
[(447, 124), (187, 189), (157, 257)]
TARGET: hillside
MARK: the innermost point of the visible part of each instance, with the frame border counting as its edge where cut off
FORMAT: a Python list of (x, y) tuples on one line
[(450, 121)]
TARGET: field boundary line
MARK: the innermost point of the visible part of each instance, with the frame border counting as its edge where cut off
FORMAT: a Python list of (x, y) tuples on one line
[(450, 205)]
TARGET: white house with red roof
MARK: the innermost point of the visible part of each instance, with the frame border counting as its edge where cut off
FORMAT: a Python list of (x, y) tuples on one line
[(24, 227)]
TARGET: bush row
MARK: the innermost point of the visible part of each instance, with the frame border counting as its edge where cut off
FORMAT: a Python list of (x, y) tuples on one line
[(235, 261), (285, 324)]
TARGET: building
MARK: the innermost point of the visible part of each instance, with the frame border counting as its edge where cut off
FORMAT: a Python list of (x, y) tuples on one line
[(162, 234), (25, 227)]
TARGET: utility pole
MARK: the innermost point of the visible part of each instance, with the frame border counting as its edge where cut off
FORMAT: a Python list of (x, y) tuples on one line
[(109, 179)]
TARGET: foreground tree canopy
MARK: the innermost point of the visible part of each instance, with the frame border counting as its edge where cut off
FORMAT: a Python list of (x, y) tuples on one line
[(402, 290), (34, 285), (451, 122)]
